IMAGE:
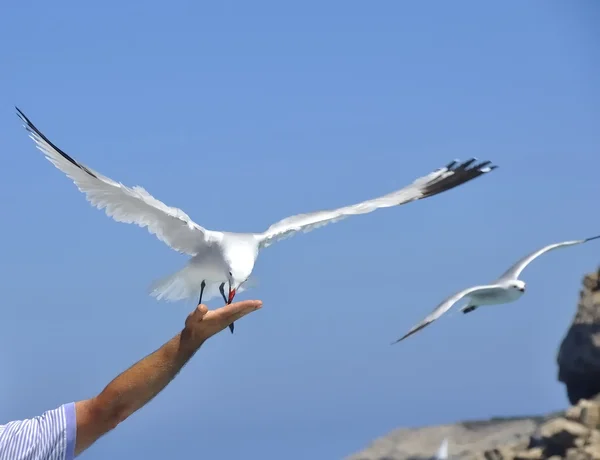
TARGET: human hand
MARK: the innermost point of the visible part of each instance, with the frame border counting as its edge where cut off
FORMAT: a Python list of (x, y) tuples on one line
[(202, 323)]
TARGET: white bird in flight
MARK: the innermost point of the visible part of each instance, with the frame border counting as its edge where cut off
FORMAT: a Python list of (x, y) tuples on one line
[(508, 288), (219, 257)]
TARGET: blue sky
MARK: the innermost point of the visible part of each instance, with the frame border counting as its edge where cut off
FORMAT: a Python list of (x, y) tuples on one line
[(244, 113)]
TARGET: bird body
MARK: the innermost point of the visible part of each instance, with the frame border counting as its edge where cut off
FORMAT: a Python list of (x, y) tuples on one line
[(506, 289), (224, 258), (231, 257), (495, 294)]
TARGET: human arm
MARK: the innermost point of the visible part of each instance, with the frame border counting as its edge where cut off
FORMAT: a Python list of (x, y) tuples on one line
[(64, 432), (135, 387)]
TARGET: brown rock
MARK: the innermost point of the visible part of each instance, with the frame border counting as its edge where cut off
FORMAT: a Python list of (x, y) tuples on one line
[(468, 440), (576, 454), (579, 353), (559, 435), (537, 453), (502, 453), (590, 415), (580, 442), (593, 451), (561, 425), (574, 412), (594, 437)]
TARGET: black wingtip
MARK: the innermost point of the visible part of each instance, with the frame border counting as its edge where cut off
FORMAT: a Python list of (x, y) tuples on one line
[(412, 331), (407, 335), (461, 174), (34, 130), (467, 163), (592, 238), (483, 165), (398, 341), (450, 165), (22, 116)]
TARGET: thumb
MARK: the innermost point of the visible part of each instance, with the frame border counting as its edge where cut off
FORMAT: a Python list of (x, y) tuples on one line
[(200, 311)]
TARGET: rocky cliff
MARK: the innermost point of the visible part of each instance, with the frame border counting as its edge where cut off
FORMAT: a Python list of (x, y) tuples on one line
[(579, 352), (573, 434)]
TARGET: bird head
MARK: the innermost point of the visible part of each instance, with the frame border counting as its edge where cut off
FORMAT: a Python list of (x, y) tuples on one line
[(236, 279), (518, 285), (240, 259)]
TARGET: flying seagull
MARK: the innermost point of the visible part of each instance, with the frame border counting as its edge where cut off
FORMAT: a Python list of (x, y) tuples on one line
[(220, 258), (508, 288)]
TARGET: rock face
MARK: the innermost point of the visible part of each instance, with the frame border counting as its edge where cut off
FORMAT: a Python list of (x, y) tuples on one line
[(465, 439), (570, 435), (573, 436), (579, 353)]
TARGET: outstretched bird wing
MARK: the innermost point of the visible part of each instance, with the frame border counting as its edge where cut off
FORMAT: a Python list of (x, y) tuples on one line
[(446, 305), (124, 204), (513, 272), (436, 182)]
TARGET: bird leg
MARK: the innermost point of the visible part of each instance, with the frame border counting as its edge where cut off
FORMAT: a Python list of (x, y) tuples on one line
[(202, 286), (231, 296), (227, 301), (222, 291)]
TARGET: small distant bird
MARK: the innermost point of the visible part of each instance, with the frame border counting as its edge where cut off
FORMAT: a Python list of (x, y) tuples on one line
[(442, 453), (508, 288), (219, 258)]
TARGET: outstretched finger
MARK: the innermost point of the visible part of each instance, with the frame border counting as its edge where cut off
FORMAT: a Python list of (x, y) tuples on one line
[(245, 311), (235, 311)]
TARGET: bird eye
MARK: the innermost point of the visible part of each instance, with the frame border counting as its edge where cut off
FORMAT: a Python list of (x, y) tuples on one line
[(230, 274)]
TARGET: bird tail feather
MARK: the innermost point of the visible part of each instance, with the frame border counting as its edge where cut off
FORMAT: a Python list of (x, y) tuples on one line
[(187, 283), (180, 285)]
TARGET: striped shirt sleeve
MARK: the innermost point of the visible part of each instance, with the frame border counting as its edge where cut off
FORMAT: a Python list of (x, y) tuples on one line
[(50, 436)]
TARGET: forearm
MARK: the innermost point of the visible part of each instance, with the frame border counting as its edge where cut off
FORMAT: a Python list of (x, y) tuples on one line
[(135, 387), (132, 389), (144, 380)]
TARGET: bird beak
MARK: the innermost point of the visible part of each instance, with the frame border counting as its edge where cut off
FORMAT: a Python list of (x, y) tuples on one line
[(522, 289)]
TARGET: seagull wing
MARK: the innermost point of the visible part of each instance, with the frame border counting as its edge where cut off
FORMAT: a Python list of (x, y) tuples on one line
[(444, 307), (513, 272), (436, 182), (125, 204)]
